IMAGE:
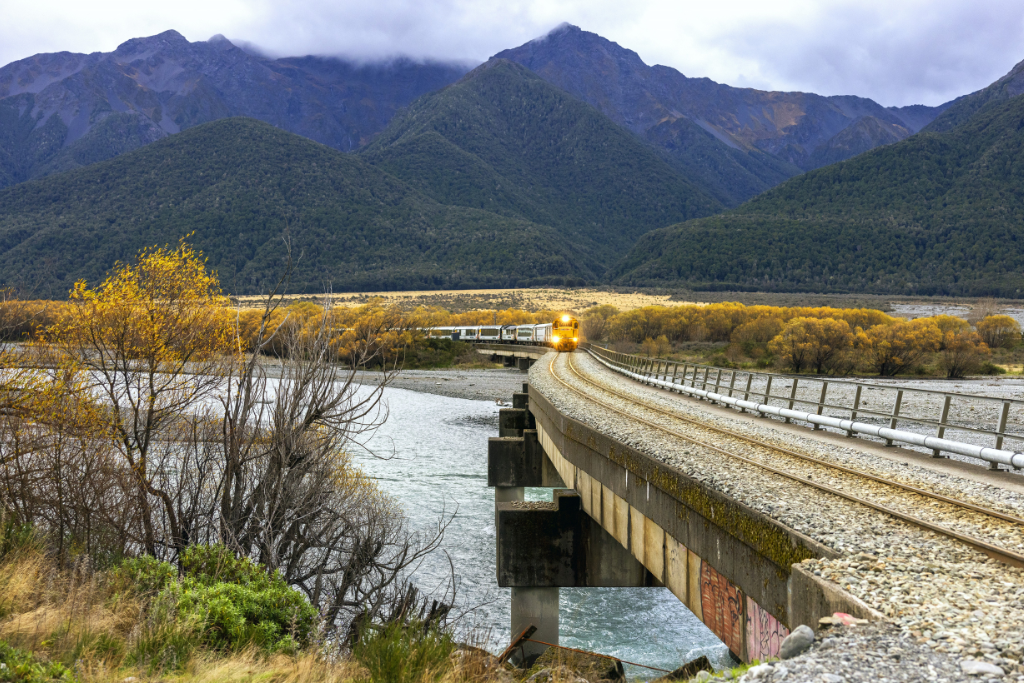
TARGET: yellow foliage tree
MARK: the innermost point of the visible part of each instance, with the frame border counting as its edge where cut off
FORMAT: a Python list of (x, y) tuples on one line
[(962, 351), (656, 348), (812, 342), (894, 348), (151, 338), (595, 322), (950, 323), (758, 331), (1000, 331)]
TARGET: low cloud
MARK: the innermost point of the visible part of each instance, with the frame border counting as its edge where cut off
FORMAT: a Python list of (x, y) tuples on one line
[(894, 52)]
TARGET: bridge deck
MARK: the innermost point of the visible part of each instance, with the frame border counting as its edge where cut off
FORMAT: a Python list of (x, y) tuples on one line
[(928, 586)]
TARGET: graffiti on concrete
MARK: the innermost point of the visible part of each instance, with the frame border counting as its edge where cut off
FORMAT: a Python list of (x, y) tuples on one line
[(722, 607), (764, 633)]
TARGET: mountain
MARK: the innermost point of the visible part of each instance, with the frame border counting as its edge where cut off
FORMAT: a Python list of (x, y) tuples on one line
[(752, 139), (242, 187), (505, 140), (961, 109), (61, 111), (938, 213)]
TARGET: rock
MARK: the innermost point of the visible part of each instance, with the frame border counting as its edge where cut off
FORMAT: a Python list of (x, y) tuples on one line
[(593, 668), (474, 663), (846, 619), (540, 676), (831, 678), (703, 676), (973, 667), (687, 671), (796, 642), (756, 673)]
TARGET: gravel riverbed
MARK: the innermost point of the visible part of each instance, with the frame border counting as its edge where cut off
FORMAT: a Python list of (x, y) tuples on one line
[(479, 385), (936, 592)]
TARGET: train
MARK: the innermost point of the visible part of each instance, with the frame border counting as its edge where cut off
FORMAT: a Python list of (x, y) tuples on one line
[(563, 334)]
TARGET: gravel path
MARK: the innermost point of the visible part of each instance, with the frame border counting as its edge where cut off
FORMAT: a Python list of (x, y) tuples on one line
[(936, 591)]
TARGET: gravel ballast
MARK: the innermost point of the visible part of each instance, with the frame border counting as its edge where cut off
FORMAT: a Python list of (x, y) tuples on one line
[(938, 594)]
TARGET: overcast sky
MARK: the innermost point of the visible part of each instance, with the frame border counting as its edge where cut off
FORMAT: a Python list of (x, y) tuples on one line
[(895, 51)]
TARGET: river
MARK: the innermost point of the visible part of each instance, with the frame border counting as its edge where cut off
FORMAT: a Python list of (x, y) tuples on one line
[(438, 449)]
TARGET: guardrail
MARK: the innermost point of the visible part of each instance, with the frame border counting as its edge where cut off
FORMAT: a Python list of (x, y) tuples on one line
[(857, 408)]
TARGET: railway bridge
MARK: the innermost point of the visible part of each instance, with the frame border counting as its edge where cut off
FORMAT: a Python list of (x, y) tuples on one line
[(764, 502)]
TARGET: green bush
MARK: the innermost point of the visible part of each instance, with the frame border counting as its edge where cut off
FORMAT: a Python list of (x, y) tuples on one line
[(404, 653), (17, 538), (143, 575), (989, 368), (427, 354), (21, 666), (221, 602)]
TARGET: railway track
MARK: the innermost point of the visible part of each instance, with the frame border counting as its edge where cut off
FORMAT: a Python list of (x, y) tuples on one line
[(997, 552)]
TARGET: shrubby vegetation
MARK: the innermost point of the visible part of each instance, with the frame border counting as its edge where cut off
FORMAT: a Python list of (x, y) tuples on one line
[(835, 341), (162, 502), (823, 340)]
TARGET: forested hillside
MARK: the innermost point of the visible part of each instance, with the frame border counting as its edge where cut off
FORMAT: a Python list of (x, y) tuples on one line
[(939, 213), (243, 187), (736, 142), (504, 140)]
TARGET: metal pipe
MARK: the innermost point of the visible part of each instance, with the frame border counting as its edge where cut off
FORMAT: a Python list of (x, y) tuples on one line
[(994, 455)]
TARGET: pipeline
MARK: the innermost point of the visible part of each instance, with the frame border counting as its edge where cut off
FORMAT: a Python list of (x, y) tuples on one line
[(1002, 457)]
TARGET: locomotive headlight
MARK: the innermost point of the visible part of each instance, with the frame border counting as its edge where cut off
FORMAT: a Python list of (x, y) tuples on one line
[(565, 318), (575, 339), (554, 339)]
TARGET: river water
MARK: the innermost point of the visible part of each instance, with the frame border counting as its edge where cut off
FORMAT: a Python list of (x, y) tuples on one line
[(438, 461)]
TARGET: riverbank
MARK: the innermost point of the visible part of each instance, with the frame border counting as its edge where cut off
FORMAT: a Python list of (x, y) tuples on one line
[(477, 385)]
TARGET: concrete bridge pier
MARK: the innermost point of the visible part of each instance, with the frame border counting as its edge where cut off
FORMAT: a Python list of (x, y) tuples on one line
[(543, 546), (537, 607)]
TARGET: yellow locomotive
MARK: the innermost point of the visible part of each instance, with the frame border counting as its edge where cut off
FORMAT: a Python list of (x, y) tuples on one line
[(565, 333)]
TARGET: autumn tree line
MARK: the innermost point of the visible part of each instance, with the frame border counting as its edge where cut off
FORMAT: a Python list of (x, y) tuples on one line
[(822, 340)]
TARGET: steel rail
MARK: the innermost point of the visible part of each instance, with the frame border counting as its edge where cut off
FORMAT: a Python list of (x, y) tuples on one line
[(1001, 554)]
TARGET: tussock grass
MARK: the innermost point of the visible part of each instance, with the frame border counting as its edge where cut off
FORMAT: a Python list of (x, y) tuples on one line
[(85, 621)]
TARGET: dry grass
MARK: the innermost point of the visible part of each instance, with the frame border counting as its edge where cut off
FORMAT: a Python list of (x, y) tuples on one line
[(62, 614), (76, 617), (249, 666), (458, 301)]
